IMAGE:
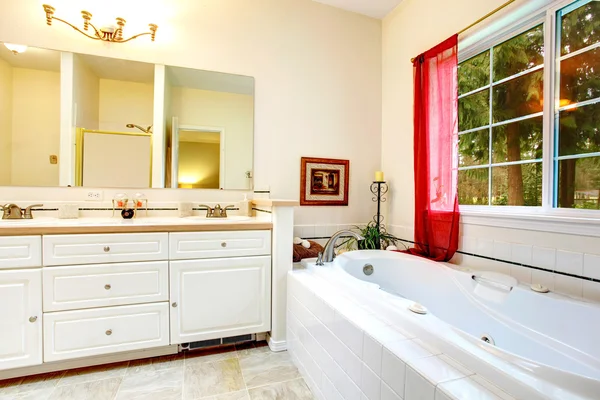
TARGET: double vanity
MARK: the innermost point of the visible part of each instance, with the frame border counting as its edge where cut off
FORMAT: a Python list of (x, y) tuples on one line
[(88, 291)]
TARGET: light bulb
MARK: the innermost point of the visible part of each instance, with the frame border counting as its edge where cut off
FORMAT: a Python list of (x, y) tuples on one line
[(16, 48)]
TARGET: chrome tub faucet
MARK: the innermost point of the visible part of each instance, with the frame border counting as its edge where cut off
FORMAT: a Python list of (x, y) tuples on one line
[(328, 253)]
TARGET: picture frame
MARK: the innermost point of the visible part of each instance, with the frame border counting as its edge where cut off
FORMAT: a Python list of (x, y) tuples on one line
[(324, 181)]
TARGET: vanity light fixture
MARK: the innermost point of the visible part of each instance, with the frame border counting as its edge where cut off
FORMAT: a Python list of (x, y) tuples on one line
[(16, 48), (112, 34)]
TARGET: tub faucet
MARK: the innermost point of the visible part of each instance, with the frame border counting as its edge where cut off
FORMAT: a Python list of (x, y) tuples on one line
[(328, 252)]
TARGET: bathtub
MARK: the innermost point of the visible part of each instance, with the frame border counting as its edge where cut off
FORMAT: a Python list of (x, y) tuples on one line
[(531, 345)]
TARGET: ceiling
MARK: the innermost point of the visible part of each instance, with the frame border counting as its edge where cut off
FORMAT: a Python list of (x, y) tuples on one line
[(33, 58), (372, 8), (199, 137), (118, 69), (208, 80)]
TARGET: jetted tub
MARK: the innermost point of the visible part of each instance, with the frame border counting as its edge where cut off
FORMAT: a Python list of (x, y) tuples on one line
[(533, 345)]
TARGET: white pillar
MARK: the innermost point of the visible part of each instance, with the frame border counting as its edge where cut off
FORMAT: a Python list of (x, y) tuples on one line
[(282, 252)]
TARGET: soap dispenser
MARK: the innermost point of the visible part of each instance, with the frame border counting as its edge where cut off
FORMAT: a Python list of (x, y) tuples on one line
[(246, 207)]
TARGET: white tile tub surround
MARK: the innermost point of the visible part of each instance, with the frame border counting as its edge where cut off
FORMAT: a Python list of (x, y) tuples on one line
[(344, 352)]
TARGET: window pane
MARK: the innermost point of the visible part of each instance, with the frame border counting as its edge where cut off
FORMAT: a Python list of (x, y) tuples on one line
[(473, 186), (519, 97), (517, 185), (580, 28), (579, 183), (474, 110), (518, 141), (579, 130), (473, 148), (580, 77), (519, 53), (474, 73)]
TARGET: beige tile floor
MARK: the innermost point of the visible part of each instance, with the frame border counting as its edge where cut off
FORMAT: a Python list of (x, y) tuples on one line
[(246, 372)]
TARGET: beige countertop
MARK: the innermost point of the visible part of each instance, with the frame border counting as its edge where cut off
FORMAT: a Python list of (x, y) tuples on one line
[(49, 226), (275, 203)]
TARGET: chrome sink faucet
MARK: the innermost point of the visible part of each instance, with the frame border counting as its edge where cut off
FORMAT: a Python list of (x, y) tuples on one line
[(13, 211), (217, 211), (328, 253)]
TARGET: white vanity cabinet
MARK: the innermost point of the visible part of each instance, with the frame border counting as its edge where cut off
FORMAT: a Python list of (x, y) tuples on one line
[(104, 293), (221, 284), (74, 298), (20, 302)]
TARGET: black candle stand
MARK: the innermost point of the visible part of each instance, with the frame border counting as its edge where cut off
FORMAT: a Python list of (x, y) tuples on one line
[(379, 189)]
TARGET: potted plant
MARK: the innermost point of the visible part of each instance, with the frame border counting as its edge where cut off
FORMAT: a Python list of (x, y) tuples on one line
[(374, 239)]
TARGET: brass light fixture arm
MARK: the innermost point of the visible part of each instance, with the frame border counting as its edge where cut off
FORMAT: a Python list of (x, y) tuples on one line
[(115, 36)]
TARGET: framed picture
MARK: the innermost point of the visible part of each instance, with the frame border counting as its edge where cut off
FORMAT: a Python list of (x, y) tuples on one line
[(324, 182)]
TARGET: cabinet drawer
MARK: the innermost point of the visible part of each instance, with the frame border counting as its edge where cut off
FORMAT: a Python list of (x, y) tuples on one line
[(74, 287), (194, 245), (83, 333), (95, 249), (20, 251)]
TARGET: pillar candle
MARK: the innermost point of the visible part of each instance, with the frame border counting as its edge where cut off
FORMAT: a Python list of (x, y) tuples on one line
[(378, 176)]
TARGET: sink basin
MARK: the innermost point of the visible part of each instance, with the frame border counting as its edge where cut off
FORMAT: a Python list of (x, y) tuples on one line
[(21, 222), (231, 218)]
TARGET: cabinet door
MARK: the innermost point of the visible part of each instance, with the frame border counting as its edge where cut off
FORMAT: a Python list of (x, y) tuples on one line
[(20, 318), (220, 297)]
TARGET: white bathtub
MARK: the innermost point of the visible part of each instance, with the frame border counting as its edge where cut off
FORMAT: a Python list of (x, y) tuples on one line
[(546, 346)]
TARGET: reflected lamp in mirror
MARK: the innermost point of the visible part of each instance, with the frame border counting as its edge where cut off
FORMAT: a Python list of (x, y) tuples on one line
[(16, 49)]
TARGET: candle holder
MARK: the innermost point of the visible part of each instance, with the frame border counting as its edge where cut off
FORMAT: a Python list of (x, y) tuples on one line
[(140, 201), (379, 190)]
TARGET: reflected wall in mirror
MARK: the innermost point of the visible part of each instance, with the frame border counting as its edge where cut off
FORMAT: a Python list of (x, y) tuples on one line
[(210, 132), (29, 117)]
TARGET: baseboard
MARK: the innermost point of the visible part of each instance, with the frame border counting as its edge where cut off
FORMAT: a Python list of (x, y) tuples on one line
[(88, 362), (275, 345)]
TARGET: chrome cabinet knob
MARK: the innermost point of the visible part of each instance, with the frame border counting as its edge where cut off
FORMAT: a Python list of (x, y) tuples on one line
[(224, 244), (108, 332), (32, 319), (106, 249), (174, 304), (107, 287)]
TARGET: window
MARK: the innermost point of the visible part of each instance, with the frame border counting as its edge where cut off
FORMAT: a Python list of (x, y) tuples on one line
[(506, 127)]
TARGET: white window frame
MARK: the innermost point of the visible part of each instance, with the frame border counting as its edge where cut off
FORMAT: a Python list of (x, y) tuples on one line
[(515, 19)]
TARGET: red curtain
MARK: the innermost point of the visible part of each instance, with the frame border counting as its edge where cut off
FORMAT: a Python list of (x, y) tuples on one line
[(436, 151)]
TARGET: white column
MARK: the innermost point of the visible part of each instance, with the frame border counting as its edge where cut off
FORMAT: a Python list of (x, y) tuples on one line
[(159, 127), (66, 159), (282, 252)]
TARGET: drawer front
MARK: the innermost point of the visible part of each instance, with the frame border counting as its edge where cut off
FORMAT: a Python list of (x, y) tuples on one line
[(84, 333), (96, 249), (88, 286), (20, 251), (194, 245)]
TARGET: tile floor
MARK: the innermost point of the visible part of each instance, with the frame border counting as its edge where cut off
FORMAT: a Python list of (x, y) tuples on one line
[(246, 372)]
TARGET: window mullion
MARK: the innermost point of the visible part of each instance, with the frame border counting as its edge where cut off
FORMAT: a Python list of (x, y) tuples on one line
[(491, 120), (550, 97)]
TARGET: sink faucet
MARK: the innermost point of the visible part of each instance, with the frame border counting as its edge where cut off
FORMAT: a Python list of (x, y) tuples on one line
[(217, 211), (328, 252), (13, 211)]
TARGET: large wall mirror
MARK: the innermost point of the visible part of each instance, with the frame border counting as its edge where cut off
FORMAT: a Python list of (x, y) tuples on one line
[(80, 120)]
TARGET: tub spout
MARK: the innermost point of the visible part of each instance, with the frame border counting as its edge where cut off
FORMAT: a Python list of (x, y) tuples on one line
[(328, 252)]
